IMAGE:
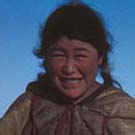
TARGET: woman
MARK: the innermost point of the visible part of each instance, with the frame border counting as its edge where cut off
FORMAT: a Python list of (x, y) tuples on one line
[(67, 99)]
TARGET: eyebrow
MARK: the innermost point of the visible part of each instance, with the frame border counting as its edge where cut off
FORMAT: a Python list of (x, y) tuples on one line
[(76, 49), (81, 50), (56, 49)]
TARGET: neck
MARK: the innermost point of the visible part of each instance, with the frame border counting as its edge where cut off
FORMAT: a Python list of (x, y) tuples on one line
[(89, 92)]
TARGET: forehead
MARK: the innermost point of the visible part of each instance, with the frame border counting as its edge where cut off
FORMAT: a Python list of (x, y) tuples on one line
[(72, 44)]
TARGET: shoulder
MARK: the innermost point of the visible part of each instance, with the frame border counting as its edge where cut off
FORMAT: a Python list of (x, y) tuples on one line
[(20, 106), (116, 102), (17, 115), (21, 102), (121, 109)]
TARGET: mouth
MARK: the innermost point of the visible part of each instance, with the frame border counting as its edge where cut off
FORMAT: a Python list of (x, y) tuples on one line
[(71, 80)]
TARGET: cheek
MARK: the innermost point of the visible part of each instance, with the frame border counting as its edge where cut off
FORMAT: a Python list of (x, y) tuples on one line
[(53, 68), (89, 68)]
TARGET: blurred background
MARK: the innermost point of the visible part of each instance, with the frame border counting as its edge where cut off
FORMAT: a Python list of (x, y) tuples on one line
[(19, 28)]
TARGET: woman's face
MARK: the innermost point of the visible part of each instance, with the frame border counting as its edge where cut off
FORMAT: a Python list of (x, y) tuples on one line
[(72, 66)]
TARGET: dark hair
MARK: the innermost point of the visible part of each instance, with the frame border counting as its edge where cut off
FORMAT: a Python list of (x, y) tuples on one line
[(77, 21)]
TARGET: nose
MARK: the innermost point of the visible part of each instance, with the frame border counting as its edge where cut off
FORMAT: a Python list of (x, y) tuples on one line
[(69, 66)]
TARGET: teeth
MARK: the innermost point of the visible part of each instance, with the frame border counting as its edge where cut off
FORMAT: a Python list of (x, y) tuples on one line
[(72, 81)]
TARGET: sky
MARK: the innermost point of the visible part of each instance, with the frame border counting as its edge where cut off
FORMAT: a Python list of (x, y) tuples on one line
[(20, 22)]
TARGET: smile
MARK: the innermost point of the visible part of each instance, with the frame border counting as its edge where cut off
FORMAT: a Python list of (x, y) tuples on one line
[(71, 80)]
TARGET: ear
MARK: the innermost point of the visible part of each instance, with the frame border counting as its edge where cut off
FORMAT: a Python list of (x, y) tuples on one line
[(100, 60)]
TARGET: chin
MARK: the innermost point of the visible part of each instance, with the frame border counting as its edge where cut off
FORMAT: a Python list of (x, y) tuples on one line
[(72, 94)]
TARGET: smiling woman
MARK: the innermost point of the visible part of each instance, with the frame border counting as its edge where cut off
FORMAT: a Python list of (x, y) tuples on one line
[(67, 99), (73, 69)]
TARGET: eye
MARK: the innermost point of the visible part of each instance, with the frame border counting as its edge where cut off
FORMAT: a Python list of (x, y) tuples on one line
[(56, 55), (80, 56)]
